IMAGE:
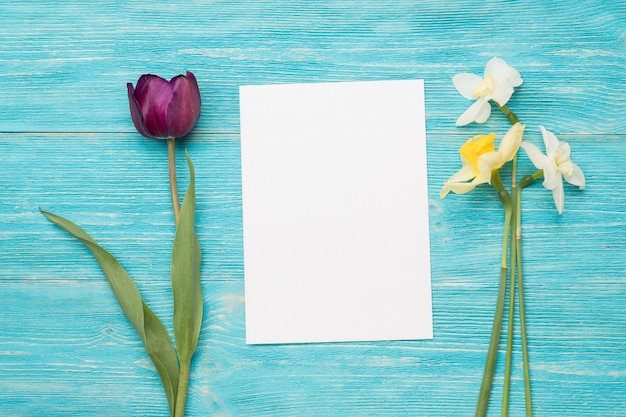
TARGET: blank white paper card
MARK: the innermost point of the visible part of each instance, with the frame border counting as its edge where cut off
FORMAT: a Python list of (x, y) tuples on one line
[(335, 212)]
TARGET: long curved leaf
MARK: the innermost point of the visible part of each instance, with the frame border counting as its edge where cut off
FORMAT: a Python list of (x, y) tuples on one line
[(150, 329), (185, 272)]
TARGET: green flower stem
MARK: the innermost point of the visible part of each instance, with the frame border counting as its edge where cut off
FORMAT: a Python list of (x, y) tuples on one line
[(186, 289), (504, 196), (511, 318), (527, 180), (508, 113), (183, 384), (490, 364), (492, 353), (171, 162)]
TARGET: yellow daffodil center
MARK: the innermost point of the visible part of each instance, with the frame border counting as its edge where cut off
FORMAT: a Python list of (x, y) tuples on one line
[(477, 146), (563, 162), (485, 86)]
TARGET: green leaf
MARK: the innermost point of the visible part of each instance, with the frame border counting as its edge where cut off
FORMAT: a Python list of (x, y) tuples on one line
[(150, 329), (185, 272)]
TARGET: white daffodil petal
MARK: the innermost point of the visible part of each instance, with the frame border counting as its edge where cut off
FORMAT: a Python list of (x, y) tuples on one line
[(502, 93), (495, 66), (479, 107), (577, 177), (559, 198), (456, 181), (463, 187), (456, 187), (564, 149), (464, 174), (487, 162), (444, 192), (556, 166), (551, 142), (534, 154), (479, 180), (501, 71), (514, 77), (511, 75), (483, 113), (551, 177), (511, 142), (465, 83)]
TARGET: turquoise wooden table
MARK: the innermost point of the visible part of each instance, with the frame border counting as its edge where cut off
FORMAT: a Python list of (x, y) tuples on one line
[(67, 144)]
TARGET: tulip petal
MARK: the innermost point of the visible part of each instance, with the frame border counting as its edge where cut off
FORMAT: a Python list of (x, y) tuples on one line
[(183, 110), (195, 91), (465, 83), (135, 112), (577, 177), (153, 99), (141, 84), (478, 112)]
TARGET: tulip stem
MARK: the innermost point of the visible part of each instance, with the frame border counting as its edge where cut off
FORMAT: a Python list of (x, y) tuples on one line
[(171, 162), (183, 384)]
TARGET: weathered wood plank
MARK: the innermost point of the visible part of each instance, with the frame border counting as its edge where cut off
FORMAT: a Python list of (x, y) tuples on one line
[(66, 347), (68, 64), (67, 144)]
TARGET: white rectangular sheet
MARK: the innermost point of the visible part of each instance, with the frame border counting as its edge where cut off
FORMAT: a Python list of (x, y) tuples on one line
[(335, 212)]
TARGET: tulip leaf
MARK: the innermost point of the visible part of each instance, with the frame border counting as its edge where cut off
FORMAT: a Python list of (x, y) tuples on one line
[(185, 274), (151, 330)]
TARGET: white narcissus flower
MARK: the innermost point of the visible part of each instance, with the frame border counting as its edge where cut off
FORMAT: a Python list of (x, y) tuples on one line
[(497, 85), (480, 159), (556, 166)]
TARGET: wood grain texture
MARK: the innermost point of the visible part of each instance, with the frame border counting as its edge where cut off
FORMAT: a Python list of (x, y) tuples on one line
[(77, 53), (67, 145)]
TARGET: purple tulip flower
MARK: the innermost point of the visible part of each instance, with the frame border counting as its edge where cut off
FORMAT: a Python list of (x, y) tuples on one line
[(164, 109)]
